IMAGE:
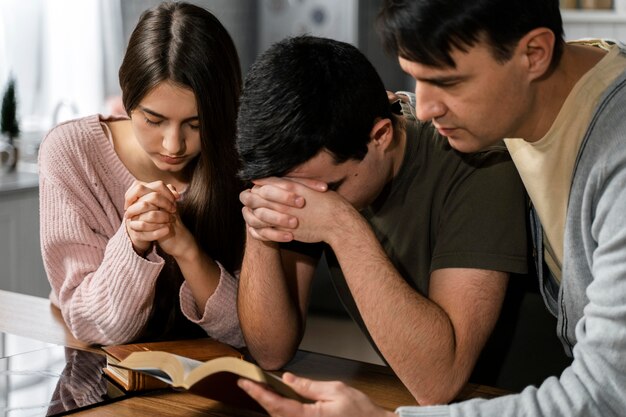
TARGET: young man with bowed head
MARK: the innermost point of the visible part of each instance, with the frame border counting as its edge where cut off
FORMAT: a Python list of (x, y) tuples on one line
[(487, 69), (420, 239)]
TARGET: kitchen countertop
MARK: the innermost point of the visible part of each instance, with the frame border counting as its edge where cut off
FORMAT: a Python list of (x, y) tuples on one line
[(18, 181)]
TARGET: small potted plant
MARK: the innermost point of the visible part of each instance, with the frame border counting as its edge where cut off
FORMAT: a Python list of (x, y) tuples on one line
[(9, 129)]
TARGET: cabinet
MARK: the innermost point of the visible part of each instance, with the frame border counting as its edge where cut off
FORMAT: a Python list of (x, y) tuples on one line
[(21, 265)]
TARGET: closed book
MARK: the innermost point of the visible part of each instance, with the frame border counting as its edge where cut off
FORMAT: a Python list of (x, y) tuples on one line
[(199, 349)]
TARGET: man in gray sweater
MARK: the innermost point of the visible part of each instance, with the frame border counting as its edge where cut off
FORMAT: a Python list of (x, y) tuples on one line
[(500, 68)]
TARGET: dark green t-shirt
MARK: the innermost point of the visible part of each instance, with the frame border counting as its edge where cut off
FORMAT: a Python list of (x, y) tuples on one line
[(445, 209)]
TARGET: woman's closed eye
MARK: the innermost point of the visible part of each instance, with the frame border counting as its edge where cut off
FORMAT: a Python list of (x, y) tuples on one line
[(150, 122)]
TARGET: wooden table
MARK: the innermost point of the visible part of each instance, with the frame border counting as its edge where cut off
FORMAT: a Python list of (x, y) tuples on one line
[(36, 318)]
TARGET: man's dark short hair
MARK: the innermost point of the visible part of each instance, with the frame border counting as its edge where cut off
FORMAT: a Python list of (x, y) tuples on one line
[(304, 95), (426, 31)]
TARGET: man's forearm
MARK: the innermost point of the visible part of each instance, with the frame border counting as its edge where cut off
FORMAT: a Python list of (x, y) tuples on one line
[(270, 320), (415, 335)]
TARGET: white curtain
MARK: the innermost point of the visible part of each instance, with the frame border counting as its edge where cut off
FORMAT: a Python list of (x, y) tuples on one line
[(3, 52), (20, 41), (64, 56)]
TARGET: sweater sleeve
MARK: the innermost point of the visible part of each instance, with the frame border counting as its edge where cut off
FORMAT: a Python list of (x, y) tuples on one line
[(104, 289), (219, 318), (430, 411)]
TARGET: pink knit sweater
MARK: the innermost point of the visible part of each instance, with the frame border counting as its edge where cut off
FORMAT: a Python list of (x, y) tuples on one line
[(103, 288)]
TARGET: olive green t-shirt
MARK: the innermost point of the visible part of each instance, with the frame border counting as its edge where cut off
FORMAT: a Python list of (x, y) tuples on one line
[(445, 209)]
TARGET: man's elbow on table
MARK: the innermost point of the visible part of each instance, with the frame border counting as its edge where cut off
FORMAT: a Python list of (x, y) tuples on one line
[(440, 388), (272, 362), (268, 354)]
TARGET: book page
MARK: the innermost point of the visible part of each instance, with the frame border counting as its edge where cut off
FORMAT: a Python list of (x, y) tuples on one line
[(163, 366), (188, 365)]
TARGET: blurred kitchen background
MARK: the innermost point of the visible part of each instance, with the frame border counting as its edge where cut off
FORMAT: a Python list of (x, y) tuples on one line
[(64, 56)]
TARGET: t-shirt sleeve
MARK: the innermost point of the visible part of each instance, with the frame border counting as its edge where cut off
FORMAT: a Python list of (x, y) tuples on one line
[(484, 219)]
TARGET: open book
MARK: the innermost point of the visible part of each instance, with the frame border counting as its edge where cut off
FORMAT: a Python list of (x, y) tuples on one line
[(215, 379), (201, 349)]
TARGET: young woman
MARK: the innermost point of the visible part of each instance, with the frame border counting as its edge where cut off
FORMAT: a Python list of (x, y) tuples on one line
[(141, 227)]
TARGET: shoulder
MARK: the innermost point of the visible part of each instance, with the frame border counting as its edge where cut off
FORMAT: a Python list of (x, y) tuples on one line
[(493, 157), (495, 167), (74, 137), (490, 175), (610, 108), (79, 171), (605, 137), (74, 152), (493, 164)]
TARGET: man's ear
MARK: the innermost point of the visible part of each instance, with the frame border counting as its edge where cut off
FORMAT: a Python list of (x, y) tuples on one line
[(382, 133), (536, 49)]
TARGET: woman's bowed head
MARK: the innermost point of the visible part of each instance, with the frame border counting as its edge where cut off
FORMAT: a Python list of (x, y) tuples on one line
[(140, 212)]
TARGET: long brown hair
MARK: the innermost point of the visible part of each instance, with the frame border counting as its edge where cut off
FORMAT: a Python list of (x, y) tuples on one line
[(186, 44)]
